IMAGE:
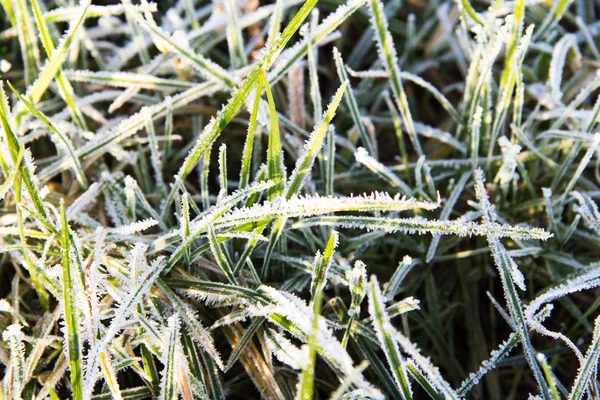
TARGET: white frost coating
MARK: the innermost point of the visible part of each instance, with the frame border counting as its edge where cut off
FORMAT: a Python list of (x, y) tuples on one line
[(559, 55), (385, 335), (588, 210), (381, 170), (127, 128), (305, 206), (357, 280), (13, 332), (296, 310), (119, 320), (510, 152), (134, 227), (321, 32), (460, 227), (286, 352)]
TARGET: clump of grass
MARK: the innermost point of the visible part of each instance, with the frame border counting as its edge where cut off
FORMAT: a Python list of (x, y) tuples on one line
[(297, 200)]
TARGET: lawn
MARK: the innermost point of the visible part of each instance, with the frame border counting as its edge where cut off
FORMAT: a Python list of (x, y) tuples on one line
[(299, 199)]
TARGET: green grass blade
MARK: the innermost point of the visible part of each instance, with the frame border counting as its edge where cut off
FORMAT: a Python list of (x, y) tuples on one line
[(27, 39), (73, 343), (387, 54), (383, 328), (248, 145), (66, 90), (313, 147), (304, 165), (587, 369), (352, 104), (275, 166), (13, 145), (212, 131), (51, 68), (220, 256), (170, 340)]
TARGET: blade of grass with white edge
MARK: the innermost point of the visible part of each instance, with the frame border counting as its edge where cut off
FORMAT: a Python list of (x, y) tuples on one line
[(235, 40), (256, 324), (416, 373), (194, 361), (155, 155), (559, 8), (314, 205), (307, 206), (387, 54), (352, 104), (470, 11), (249, 144), (77, 168), (185, 217), (220, 256), (581, 167), (306, 382), (275, 22), (515, 52), (199, 227), (260, 372), (70, 311), (357, 282), (27, 39), (496, 355), (382, 171), (195, 328), (291, 56), (275, 165), (550, 378), (304, 165), (444, 102), (111, 376), (448, 207), (13, 173), (313, 60), (137, 39), (588, 210), (587, 370), (421, 225), (312, 148), (127, 80), (330, 161), (509, 274), (66, 90), (168, 384), (14, 337), (212, 131), (13, 146), (48, 73), (190, 11), (207, 69), (391, 289), (37, 273), (383, 329), (425, 365), (126, 307)]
